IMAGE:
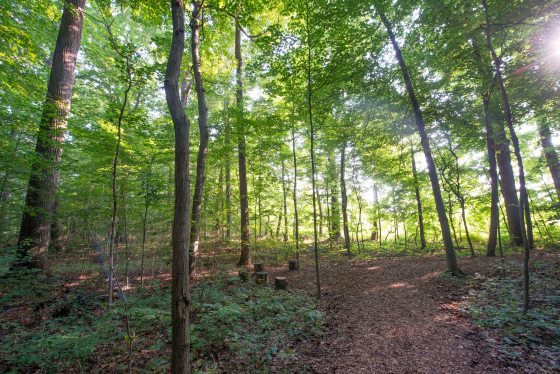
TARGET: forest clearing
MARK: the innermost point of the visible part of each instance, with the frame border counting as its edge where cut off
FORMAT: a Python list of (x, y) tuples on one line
[(271, 186)]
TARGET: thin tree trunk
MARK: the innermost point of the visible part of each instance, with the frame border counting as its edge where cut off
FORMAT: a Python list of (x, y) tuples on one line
[(115, 170), (312, 148), (285, 194), (464, 217), (550, 154), (320, 211), (144, 230), (378, 213), (204, 136), (492, 168), (452, 265), (278, 225), (35, 233), (418, 202), (245, 257), (125, 228), (228, 179), (360, 226), (344, 197), (180, 295), (328, 199), (524, 208), (335, 206), (296, 218)]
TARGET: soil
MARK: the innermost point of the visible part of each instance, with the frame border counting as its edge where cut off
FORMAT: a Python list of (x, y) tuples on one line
[(395, 315)]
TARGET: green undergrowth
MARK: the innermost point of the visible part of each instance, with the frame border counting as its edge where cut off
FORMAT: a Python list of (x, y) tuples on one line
[(48, 327), (533, 337)]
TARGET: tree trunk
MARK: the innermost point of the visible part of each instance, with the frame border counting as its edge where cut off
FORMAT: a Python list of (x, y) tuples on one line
[(245, 257), (320, 210), (492, 169), (344, 197), (204, 136), (296, 218), (452, 265), (35, 231), (312, 148), (228, 180), (335, 206), (144, 230), (56, 227), (523, 209), (115, 170), (377, 213), (180, 296), (418, 202), (550, 154), (285, 194), (507, 184)]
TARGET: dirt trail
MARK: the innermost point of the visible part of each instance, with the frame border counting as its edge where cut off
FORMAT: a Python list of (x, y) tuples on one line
[(394, 316)]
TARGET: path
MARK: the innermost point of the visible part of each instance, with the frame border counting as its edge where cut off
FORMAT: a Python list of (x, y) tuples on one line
[(394, 316)]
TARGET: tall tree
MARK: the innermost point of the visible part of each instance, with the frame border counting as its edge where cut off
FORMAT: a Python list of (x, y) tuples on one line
[(180, 294), (35, 231), (452, 265), (245, 257), (344, 197), (312, 147), (524, 208), (195, 24), (492, 169), (296, 218)]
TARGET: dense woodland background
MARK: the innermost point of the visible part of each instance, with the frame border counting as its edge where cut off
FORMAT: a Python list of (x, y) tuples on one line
[(312, 128)]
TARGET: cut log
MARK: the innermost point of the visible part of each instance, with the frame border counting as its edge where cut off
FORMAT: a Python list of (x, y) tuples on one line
[(244, 275), (293, 265), (259, 267), (280, 283), (261, 277)]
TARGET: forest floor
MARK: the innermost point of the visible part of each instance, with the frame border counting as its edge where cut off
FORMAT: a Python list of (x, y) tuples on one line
[(401, 315), (386, 314)]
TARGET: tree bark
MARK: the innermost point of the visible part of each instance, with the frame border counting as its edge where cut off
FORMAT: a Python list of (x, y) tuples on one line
[(228, 179), (296, 218), (285, 195), (523, 209), (204, 136), (550, 154), (418, 202), (180, 296), (115, 168), (344, 197), (312, 148), (56, 227), (35, 231), (245, 257), (492, 169), (452, 265), (507, 184), (335, 206)]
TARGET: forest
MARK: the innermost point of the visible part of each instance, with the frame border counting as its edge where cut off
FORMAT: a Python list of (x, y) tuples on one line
[(272, 186)]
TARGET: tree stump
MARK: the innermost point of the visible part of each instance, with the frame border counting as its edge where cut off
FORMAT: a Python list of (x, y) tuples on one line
[(293, 265), (259, 267), (244, 275), (280, 283), (261, 277)]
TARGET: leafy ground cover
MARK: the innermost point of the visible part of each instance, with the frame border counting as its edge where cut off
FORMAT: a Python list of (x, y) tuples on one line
[(533, 339), (56, 324)]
